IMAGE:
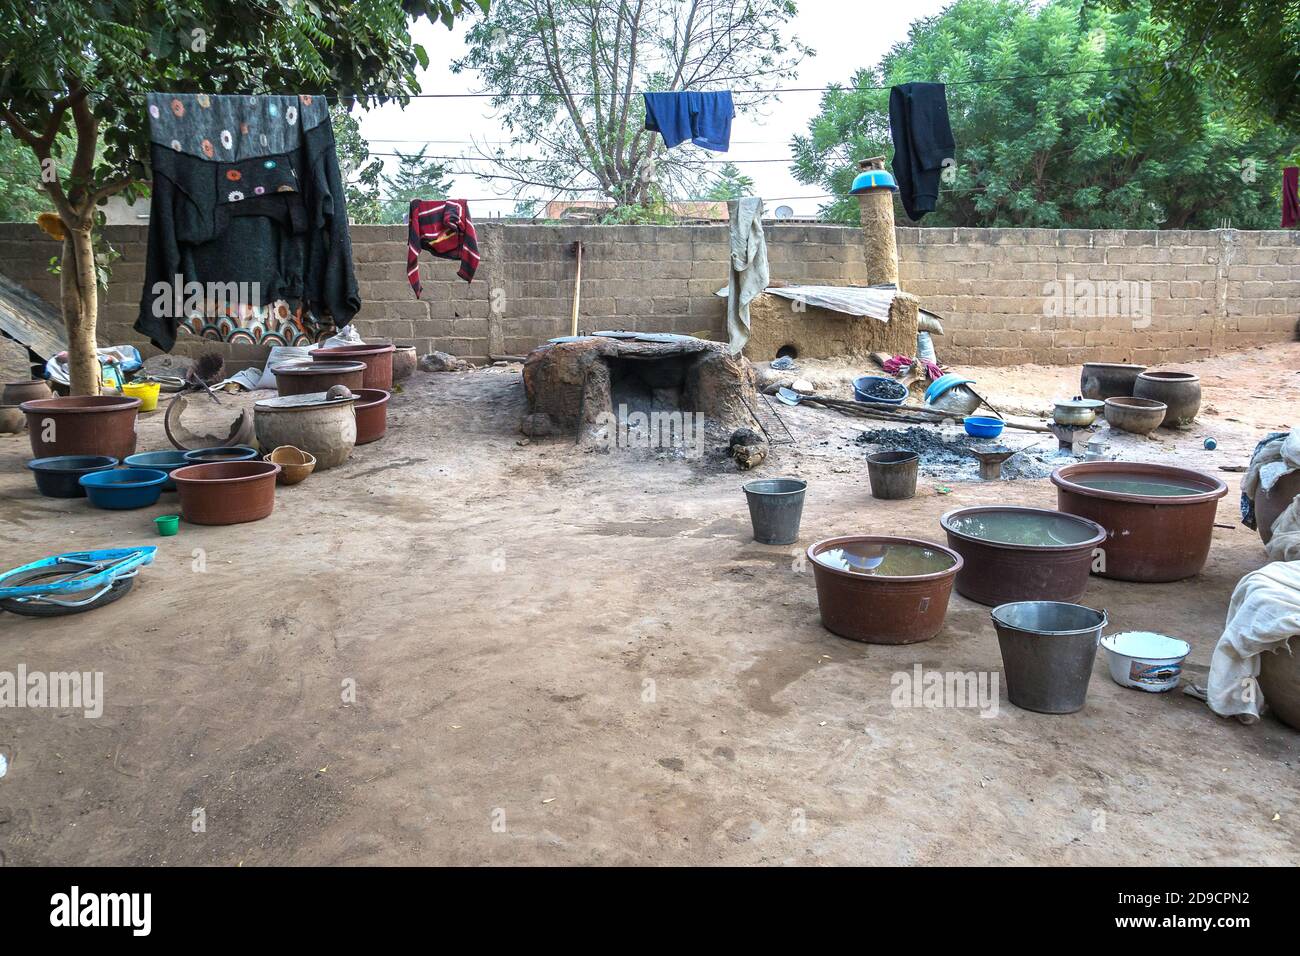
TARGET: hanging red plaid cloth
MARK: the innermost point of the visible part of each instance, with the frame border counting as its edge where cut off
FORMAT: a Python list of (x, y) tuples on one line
[(443, 227)]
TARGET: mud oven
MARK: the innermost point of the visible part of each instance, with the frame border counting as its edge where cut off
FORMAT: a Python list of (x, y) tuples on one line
[(613, 388)]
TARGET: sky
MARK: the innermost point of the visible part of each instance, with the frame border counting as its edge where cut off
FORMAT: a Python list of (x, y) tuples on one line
[(842, 44)]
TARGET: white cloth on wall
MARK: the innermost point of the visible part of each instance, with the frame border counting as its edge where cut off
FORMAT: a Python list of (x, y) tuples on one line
[(1263, 613), (749, 275)]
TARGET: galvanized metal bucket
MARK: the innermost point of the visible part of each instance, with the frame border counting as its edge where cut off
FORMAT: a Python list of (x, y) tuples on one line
[(775, 509), (1048, 649)]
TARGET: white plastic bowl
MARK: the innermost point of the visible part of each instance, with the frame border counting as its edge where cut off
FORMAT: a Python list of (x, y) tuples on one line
[(1145, 660)]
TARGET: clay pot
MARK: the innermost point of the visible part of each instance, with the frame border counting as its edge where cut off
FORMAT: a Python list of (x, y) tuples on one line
[(880, 608), (372, 414), (302, 378), (229, 492), (15, 393), (82, 425), (325, 429), (1150, 538), (378, 360), (999, 571), (1279, 679), (12, 419), (1181, 391), (1141, 416), (1269, 504), (1103, 380), (404, 361)]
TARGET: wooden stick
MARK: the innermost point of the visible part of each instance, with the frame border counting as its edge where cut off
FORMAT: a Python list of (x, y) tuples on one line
[(577, 289)]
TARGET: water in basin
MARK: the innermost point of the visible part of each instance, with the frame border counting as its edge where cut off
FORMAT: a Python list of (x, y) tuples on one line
[(1016, 527), (884, 560), (1151, 487)]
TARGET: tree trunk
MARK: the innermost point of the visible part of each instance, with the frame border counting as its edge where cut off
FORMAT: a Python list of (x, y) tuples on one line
[(80, 301)]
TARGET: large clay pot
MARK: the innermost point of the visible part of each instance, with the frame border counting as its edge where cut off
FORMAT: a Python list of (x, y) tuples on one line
[(15, 393), (378, 359), (1181, 391), (325, 429), (1279, 679), (12, 419), (1103, 380), (1269, 504), (82, 425), (404, 362), (1150, 537), (372, 414), (302, 378), (228, 492)]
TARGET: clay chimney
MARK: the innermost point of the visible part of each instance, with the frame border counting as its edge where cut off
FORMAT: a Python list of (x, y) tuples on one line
[(876, 212)]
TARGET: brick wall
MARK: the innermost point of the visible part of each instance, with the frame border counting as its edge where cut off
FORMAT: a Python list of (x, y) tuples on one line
[(1208, 291)]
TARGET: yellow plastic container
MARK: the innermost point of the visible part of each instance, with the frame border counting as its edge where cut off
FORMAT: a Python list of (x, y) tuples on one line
[(147, 392)]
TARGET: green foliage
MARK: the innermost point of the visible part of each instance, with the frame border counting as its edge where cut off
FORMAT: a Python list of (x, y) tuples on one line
[(730, 183), (416, 178), (21, 196), (1247, 50), (361, 172), (1041, 152), (584, 65)]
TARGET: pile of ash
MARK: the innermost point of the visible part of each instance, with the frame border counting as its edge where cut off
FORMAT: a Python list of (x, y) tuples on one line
[(946, 452)]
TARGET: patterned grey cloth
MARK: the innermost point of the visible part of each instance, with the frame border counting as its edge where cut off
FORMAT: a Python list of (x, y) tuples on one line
[(233, 128)]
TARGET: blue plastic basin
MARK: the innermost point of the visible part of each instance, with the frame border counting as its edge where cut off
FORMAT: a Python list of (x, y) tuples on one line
[(983, 427), (204, 456), (124, 487), (862, 382), (160, 461)]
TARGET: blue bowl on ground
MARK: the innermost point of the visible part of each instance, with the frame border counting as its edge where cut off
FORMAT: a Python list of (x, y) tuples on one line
[(220, 453), (983, 426), (878, 388), (124, 488), (159, 460), (60, 476)]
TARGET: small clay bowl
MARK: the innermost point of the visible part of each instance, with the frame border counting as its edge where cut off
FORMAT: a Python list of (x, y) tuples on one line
[(295, 464)]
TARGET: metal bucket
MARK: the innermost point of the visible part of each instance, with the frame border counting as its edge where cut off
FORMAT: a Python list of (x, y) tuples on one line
[(775, 507), (893, 474), (1048, 649)]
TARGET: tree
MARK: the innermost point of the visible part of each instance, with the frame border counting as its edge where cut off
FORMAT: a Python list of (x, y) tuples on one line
[(21, 196), (416, 178), (1247, 50), (77, 72), (360, 171), (567, 78), (730, 183), (1039, 151)]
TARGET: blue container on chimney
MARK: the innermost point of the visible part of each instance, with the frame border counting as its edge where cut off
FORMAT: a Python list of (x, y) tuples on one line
[(873, 179)]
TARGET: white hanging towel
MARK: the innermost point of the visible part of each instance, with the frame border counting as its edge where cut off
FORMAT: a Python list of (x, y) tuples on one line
[(748, 276)]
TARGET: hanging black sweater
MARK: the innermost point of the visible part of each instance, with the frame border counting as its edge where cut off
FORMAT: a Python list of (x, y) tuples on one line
[(918, 121), (246, 189)]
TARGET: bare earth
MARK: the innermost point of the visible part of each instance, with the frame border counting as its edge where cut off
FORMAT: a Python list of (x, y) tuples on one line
[(563, 657)]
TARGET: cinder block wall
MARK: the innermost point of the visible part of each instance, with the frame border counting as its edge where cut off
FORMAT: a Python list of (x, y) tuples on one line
[(1209, 291)]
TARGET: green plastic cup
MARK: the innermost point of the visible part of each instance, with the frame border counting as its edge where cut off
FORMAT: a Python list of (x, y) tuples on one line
[(167, 524)]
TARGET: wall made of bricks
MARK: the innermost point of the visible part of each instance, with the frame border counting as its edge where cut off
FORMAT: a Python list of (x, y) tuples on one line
[(1008, 295)]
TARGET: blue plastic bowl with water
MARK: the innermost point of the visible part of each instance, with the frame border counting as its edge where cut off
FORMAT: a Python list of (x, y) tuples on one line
[(167, 461), (124, 487), (983, 427), (897, 389)]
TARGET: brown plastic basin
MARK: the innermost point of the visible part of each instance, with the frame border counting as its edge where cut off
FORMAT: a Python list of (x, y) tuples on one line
[(1149, 538), (882, 609), (372, 414), (228, 492), (82, 425), (299, 378), (378, 360), (1000, 571)]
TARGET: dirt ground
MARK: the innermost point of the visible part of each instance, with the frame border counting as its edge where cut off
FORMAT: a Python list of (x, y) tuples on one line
[(583, 658)]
